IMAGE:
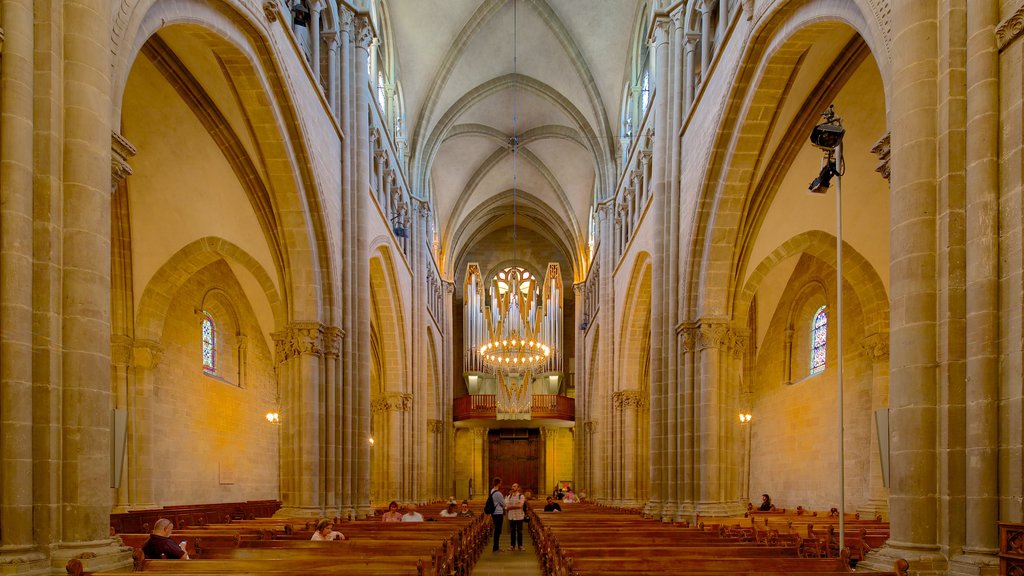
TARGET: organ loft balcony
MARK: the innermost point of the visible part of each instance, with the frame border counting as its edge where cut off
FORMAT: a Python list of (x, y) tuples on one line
[(545, 409)]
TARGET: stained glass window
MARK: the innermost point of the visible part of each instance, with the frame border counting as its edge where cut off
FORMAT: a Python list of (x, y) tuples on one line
[(819, 337), (381, 93), (209, 344), (645, 91)]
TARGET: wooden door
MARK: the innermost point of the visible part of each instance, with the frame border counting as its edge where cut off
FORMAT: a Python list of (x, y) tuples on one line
[(514, 456)]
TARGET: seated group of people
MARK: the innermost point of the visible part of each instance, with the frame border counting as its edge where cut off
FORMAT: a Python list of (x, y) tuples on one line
[(411, 515), (565, 495)]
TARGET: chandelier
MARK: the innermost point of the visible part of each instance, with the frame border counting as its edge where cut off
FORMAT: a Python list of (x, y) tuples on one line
[(514, 337)]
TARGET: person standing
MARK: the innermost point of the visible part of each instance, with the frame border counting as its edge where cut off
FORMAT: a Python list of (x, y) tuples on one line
[(496, 503), (514, 503)]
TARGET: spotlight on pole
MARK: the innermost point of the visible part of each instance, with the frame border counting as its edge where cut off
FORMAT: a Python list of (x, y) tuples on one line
[(828, 136)]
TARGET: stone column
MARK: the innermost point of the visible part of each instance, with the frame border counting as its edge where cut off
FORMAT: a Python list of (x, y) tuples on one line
[(600, 453), (16, 175), (787, 355), (86, 400), (660, 190), (982, 385), (363, 206), (332, 71), (146, 356), (582, 388), (447, 393), (314, 42), (435, 447), (300, 347), (713, 340), (876, 348), (332, 419), (913, 292), (687, 489), (629, 403)]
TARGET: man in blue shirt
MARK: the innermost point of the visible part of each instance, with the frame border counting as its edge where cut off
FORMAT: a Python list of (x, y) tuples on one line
[(498, 516)]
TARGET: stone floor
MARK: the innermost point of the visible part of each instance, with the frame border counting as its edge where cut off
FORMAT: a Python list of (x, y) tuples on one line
[(506, 563)]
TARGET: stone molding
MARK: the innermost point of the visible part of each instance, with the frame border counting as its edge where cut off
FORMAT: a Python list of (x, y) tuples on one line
[(881, 149), (480, 433), (449, 287), (1010, 29), (347, 18), (391, 402), (876, 346), (590, 427), (688, 335), (624, 399), (435, 426)]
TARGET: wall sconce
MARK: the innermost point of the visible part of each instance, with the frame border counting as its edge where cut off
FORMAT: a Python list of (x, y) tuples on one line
[(273, 417), (371, 441), (745, 417)]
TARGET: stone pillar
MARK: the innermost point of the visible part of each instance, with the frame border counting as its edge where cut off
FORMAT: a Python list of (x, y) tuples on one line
[(876, 348), (85, 401), (332, 72), (481, 477), (600, 449), (300, 348), (687, 489), (787, 355), (16, 175), (982, 385), (361, 196), (348, 452), (582, 385), (628, 404), (314, 42), (332, 394), (713, 340), (146, 355), (436, 471), (913, 292)]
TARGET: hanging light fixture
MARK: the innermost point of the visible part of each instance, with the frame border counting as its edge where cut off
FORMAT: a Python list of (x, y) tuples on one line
[(513, 346)]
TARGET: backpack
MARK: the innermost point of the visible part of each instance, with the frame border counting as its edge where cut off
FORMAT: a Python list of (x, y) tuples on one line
[(490, 506)]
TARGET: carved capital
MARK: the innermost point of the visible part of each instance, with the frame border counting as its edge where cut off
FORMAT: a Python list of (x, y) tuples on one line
[(299, 338), (449, 287), (391, 402), (713, 335), (876, 346), (625, 399), (480, 433), (121, 150), (332, 341), (347, 18), (590, 427), (1010, 29), (579, 287), (687, 338), (121, 349), (881, 149), (364, 32), (435, 426), (272, 10), (146, 354)]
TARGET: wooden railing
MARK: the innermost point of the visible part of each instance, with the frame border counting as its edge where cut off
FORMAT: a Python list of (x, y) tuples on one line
[(484, 406)]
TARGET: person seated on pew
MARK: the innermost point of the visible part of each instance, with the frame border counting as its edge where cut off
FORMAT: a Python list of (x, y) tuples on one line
[(159, 544), (766, 503), (325, 531), (570, 496), (449, 512), (552, 506), (465, 512), (411, 515), (393, 515)]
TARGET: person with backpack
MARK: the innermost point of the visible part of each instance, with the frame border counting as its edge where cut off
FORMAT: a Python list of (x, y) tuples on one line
[(496, 508)]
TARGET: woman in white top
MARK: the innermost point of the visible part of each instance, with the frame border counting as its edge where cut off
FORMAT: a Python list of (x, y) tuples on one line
[(325, 531), (514, 504), (450, 512)]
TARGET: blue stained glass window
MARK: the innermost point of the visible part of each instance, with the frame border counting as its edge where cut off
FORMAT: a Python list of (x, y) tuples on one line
[(209, 344), (819, 338)]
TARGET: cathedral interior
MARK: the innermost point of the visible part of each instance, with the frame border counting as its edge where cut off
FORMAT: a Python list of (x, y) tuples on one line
[(355, 251)]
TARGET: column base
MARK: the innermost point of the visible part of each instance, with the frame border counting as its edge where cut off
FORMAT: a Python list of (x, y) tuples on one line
[(94, 556), (875, 507), (364, 511), (121, 509), (719, 509), (923, 560), (975, 564), (23, 560), (652, 509)]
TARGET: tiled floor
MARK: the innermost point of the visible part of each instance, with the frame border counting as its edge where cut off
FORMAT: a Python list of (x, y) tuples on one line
[(506, 563)]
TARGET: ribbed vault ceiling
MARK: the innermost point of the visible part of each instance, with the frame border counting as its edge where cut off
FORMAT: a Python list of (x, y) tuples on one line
[(455, 66)]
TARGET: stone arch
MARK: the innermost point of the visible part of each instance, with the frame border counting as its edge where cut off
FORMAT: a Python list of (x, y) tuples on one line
[(858, 275), (730, 207), (389, 318), (156, 297), (240, 36), (635, 325)]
